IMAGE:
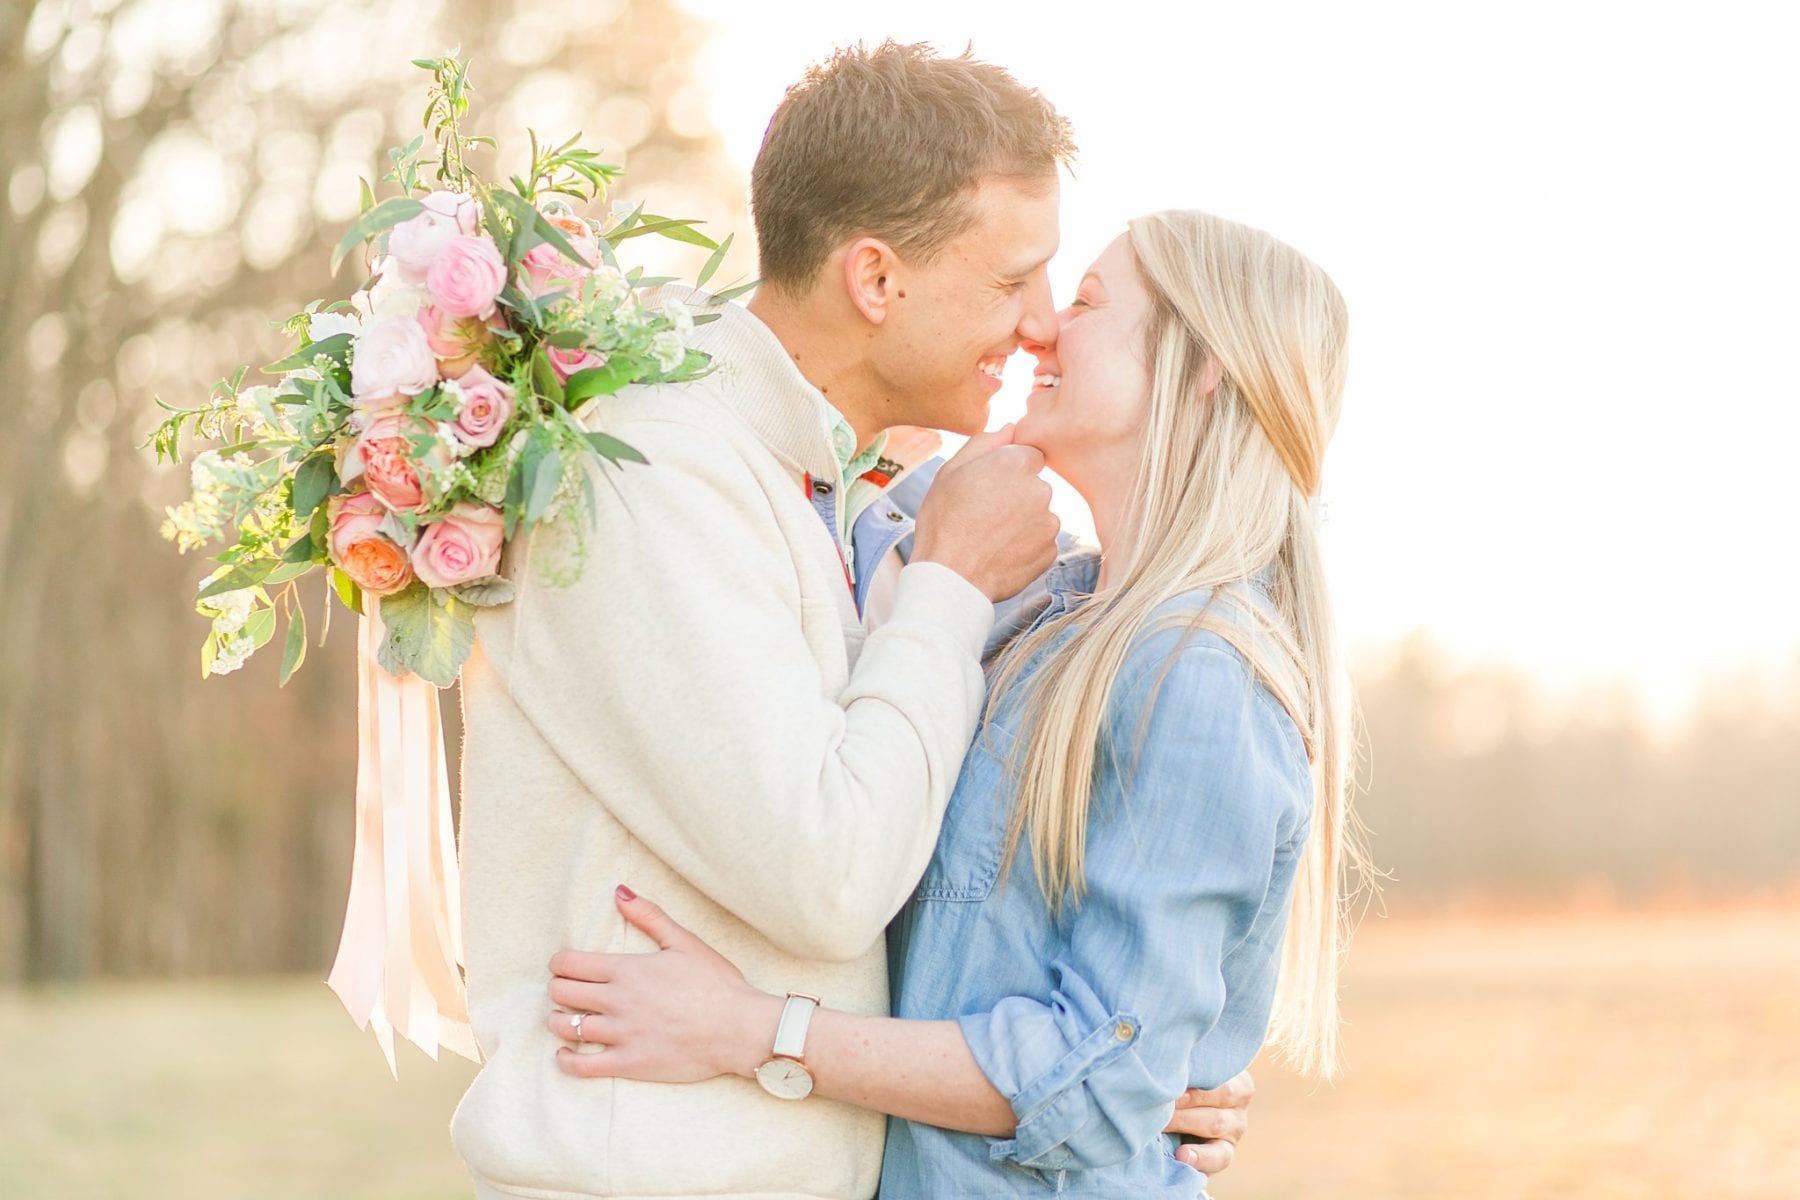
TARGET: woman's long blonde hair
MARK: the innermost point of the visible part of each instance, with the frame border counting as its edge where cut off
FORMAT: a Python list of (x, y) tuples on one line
[(1225, 487)]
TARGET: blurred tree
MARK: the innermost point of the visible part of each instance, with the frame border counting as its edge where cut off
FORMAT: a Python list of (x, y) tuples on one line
[(175, 172), (1477, 784)]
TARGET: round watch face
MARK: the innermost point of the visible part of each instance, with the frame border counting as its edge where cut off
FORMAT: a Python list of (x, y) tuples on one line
[(785, 1079)]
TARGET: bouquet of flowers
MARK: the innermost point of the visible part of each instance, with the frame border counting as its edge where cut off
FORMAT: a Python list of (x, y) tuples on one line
[(429, 418), (419, 426)]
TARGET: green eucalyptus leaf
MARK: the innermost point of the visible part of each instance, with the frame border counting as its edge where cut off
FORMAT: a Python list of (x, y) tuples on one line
[(209, 653), (742, 289), (283, 574), (336, 348), (541, 481), (295, 652), (617, 372), (543, 375), (383, 216), (346, 590), (613, 450), (713, 263), (429, 634), (514, 502), (261, 626), (300, 550), (676, 230), (247, 574), (618, 232), (320, 529), (312, 484), (528, 218), (486, 593)]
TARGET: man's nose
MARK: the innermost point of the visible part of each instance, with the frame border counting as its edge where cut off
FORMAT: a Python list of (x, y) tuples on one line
[(1038, 325)]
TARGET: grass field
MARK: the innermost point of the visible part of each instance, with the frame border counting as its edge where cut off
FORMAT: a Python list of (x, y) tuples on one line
[(1601, 1056)]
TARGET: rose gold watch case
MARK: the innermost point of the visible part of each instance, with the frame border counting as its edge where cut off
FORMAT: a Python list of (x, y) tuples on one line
[(785, 1079)]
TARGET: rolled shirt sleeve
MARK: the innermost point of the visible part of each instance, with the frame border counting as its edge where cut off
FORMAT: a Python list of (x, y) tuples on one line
[(1179, 867)]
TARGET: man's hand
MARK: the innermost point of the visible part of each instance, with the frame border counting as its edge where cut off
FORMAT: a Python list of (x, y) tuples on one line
[(1218, 1118), (987, 516)]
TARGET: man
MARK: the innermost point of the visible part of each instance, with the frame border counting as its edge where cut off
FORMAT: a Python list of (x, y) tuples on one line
[(704, 717)]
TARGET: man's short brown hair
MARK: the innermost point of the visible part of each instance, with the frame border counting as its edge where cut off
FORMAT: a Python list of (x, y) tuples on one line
[(890, 143)]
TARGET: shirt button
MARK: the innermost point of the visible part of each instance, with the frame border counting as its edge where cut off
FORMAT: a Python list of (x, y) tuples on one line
[(821, 489), (1122, 1031), (896, 516)]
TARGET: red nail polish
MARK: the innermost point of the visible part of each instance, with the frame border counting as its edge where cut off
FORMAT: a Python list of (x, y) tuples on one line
[(626, 893)]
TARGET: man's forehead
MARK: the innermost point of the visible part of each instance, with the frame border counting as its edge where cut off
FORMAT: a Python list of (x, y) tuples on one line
[(1021, 221)]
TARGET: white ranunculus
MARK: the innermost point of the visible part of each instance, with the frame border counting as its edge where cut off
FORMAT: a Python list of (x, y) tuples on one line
[(392, 358), (393, 296), (322, 325)]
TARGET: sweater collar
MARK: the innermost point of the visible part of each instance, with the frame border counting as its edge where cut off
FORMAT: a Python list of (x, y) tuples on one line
[(758, 380)]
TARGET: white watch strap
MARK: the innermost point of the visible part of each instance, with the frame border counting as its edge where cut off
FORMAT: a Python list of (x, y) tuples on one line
[(796, 1017)]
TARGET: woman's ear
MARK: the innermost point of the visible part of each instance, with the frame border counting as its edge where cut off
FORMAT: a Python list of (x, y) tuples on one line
[(869, 266), (1210, 376)]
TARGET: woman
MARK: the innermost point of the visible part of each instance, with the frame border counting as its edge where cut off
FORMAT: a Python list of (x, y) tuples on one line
[(1158, 791)]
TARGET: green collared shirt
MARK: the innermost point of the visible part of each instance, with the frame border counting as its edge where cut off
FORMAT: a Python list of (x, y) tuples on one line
[(858, 493)]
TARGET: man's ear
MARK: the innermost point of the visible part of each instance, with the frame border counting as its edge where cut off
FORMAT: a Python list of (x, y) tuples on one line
[(869, 277)]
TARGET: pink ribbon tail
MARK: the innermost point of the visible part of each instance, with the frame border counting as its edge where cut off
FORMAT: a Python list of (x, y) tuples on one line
[(398, 965)]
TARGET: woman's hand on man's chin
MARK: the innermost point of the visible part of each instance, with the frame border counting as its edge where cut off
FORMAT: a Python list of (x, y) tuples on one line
[(680, 1014)]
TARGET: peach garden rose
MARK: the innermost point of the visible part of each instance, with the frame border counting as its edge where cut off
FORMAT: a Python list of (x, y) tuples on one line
[(373, 561), (383, 457)]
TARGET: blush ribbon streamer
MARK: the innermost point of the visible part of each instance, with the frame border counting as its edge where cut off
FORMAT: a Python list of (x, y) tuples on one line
[(398, 965)]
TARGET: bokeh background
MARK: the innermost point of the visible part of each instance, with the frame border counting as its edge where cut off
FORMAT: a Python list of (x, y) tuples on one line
[(1561, 514)]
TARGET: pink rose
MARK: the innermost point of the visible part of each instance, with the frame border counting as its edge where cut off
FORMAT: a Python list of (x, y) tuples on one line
[(546, 270), (549, 269), (383, 455), (579, 234), (375, 562), (486, 407), (565, 361), (414, 245), (462, 547), (392, 358), (457, 341), (466, 276)]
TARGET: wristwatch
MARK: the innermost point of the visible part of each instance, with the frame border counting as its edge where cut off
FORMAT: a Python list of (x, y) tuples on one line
[(784, 1075)]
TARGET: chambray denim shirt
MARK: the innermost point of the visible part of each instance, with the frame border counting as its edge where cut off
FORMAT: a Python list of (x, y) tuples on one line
[(1092, 1022)]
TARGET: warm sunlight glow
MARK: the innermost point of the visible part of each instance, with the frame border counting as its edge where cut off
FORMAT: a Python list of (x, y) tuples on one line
[(1571, 415)]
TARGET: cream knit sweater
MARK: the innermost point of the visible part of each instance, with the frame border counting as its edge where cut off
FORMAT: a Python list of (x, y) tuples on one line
[(702, 717)]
